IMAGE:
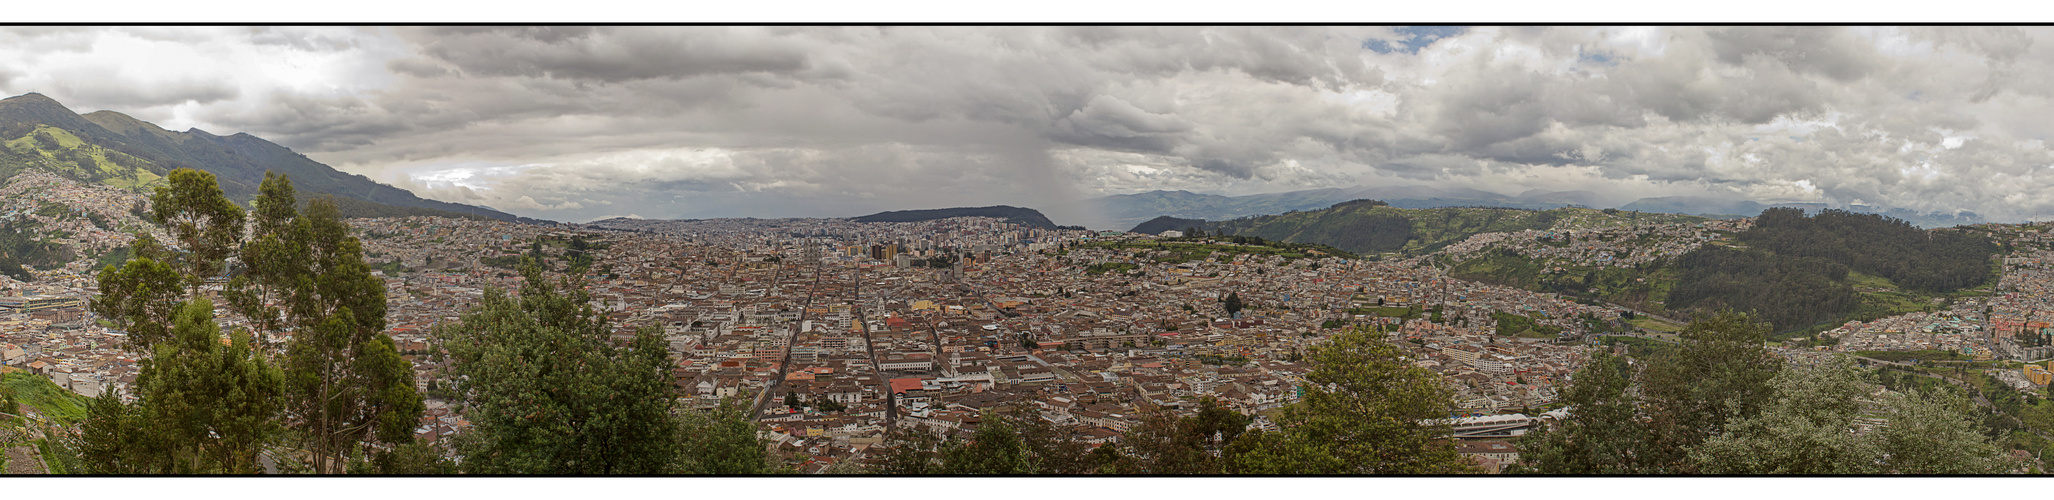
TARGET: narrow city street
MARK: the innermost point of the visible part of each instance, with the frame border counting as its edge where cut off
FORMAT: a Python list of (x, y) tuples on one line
[(785, 366), (891, 403)]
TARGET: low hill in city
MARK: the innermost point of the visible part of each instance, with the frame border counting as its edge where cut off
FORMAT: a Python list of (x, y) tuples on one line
[(1167, 223), (111, 148), (1017, 215)]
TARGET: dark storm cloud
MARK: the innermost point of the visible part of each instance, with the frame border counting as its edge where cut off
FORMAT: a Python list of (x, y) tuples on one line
[(1830, 51), (783, 86), (611, 55)]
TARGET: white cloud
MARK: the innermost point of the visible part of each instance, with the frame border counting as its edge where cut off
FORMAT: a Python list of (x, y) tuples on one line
[(715, 121)]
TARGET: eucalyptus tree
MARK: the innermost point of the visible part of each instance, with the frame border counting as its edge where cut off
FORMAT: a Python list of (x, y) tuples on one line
[(304, 272)]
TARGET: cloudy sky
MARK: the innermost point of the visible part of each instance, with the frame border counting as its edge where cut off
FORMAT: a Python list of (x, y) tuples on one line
[(575, 124)]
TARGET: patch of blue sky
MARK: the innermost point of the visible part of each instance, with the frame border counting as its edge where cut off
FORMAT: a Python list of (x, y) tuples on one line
[(1595, 57), (1416, 37)]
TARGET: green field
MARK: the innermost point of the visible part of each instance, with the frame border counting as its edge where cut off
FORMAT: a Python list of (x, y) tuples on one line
[(1396, 312), (1655, 324), (1500, 268), (1881, 298)]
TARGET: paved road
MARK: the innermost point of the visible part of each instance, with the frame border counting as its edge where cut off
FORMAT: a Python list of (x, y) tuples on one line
[(22, 460), (891, 404), (786, 364), (1964, 385)]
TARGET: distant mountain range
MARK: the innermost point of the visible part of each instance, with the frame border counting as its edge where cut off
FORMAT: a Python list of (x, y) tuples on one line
[(1372, 227), (1714, 206), (1023, 216), (115, 149), (1129, 210)]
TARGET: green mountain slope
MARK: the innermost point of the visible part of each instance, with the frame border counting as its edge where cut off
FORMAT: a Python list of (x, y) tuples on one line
[(1799, 273), (53, 402), (115, 149), (59, 151)]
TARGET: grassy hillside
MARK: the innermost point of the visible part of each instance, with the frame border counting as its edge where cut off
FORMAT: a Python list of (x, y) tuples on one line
[(56, 403), (61, 152), (23, 244)]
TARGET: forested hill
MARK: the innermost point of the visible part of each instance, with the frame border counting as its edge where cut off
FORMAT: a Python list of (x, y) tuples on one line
[(1022, 216), (1937, 261), (1371, 226), (111, 148), (1795, 270)]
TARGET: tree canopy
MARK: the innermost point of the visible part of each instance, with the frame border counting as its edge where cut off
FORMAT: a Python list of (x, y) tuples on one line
[(346, 380), (1939, 261), (1365, 411), (1721, 404), (1602, 433), (339, 382), (202, 407), (549, 392)]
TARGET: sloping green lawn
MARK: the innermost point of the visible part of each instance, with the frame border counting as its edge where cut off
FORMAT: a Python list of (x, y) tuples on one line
[(54, 402)]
